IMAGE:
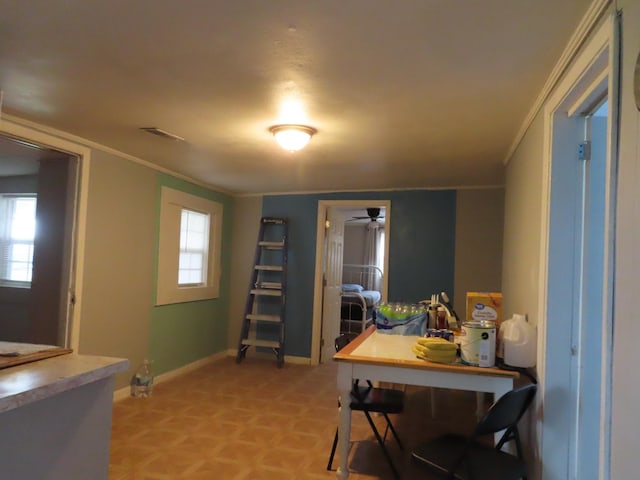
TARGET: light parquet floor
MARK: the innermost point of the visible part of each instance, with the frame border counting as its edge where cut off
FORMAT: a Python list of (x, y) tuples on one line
[(254, 421)]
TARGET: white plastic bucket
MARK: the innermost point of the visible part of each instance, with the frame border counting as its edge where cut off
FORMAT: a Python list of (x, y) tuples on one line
[(478, 343)]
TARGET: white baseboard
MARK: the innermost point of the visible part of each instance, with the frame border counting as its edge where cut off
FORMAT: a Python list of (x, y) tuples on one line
[(125, 392), (266, 356)]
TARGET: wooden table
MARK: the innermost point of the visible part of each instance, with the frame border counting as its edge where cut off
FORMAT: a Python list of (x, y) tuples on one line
[(388, 358)]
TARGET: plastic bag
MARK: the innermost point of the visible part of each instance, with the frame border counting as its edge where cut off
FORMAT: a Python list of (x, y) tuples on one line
[(401, 319)]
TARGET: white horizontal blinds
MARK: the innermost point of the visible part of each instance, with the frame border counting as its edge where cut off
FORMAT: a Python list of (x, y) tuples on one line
[(194, 248), (17, 233)]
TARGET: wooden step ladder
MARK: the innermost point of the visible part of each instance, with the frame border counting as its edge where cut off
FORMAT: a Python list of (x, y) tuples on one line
[(263, 322)]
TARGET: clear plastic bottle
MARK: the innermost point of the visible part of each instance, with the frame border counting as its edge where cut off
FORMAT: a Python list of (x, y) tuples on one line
[(142, 381)]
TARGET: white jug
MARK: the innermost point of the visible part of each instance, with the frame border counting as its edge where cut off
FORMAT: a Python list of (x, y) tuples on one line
[(517, 341)]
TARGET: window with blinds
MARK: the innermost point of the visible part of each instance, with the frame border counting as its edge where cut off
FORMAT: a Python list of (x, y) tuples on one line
[(189, 248), (17, 234), (194, 248)]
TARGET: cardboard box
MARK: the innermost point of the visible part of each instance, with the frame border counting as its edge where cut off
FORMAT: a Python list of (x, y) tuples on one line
[(484, 306)]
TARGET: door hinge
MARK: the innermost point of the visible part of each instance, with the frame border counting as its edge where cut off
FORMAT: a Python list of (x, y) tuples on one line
[(324, 281), (584, 151), (321, 342)]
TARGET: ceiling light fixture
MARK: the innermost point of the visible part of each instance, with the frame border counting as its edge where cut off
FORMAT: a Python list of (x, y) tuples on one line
[(292, 137)]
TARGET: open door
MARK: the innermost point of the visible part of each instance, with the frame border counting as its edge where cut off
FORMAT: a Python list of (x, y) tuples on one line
[(339, 213), (334, 246)]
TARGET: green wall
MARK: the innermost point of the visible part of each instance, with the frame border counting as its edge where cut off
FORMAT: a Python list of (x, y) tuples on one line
[(182, 333)]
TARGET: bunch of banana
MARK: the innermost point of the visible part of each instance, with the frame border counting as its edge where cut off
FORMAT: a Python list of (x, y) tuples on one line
[(435, 349)]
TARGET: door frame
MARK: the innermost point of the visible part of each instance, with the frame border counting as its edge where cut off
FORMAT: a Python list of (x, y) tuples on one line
[(323, 205), (332, 280), (594, 70), (31, 133)]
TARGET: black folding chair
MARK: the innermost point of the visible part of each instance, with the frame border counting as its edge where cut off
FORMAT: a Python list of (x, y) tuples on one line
[(467, 458), (369, 400)]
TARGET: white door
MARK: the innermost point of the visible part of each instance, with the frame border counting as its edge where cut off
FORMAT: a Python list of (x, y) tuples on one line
[(334, 244)]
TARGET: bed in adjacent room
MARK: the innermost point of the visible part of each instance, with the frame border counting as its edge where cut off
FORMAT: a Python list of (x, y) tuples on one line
[(361, 294)]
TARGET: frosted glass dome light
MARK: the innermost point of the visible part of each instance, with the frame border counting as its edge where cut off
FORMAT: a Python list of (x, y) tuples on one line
[(292, 137)]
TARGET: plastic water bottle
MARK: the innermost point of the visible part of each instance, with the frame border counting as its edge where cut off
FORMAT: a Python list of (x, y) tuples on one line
[(142, 381)]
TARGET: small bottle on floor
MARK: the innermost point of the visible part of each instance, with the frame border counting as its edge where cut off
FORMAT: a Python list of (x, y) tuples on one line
[(142, 381)]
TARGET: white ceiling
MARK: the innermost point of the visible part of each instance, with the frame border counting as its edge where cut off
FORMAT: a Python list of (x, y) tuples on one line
[(404, 93)]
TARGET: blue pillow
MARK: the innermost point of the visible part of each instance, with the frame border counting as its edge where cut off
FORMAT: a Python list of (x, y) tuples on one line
[(352, 287)]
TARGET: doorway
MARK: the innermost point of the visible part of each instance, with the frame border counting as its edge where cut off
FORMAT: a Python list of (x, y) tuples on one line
[(355, 218), (39, 247), (577, 269)]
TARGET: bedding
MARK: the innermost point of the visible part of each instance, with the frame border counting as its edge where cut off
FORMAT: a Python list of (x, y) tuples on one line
[(371, 297), (359, 297), (352, 287)]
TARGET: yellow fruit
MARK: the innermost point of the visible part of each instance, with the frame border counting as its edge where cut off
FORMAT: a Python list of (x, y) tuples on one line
[(436, 343), (441, 358)]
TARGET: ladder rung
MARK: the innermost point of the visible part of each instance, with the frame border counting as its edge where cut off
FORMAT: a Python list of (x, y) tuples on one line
[(271, 268), (274, 245), (277, 221), (264, 318), (264, 291), (261, 343), (271, 285)]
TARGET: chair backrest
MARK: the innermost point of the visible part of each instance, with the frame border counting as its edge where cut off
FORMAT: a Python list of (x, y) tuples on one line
[(507, 411), (342, 340)]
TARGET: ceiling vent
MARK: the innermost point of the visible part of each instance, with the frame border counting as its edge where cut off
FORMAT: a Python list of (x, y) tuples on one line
[(162, 133)]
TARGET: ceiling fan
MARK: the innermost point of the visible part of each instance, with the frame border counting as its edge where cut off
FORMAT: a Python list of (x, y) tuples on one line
[(372, 213)]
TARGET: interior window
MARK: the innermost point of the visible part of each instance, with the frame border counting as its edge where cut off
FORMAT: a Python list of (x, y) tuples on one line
[(17, 234), (194, 248), (189, 248)]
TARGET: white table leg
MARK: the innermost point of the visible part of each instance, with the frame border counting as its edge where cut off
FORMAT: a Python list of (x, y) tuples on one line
[(344, 426)]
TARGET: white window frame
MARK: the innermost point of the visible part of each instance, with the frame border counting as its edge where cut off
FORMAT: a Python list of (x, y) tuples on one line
[(168, 290), (6, 282)]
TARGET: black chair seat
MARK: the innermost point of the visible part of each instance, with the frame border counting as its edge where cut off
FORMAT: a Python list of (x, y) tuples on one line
[(482, 462), (380, 400), (467, 458)]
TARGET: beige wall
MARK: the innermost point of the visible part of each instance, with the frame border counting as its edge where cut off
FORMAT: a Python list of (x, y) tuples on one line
[(522, 223), (246, 222), (118, 264), (478, 254), (521, 249)]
